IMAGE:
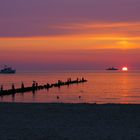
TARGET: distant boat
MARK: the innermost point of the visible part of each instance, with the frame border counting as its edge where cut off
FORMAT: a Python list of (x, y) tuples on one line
[(111, 68), (7, 70)]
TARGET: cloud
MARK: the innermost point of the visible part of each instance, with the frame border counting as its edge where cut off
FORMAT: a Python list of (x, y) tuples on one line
[(96, 28)]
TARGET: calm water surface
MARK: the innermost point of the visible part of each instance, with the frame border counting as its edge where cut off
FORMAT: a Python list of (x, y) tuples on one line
[(102, 87)]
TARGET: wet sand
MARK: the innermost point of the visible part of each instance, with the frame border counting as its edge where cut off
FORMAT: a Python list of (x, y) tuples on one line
[(69, 122)]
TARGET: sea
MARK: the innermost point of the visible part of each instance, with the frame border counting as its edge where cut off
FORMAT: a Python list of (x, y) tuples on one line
[(102, 87)]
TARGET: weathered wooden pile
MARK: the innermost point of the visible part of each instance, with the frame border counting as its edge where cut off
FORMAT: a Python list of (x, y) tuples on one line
[(36, 87)]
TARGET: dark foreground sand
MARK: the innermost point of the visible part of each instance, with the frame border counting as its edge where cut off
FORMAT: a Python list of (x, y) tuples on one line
[(69, 122)]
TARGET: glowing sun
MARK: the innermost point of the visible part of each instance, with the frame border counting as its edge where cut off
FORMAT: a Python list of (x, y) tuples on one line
[(124, 69)]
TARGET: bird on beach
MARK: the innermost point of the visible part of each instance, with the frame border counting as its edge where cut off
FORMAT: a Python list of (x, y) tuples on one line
[(79, 97)]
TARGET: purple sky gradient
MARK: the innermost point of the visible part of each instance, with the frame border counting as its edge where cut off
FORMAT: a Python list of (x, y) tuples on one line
[(34, 17)]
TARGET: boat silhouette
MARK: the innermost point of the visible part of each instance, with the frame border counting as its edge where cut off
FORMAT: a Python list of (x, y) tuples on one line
[(7, 70), (111, 68)]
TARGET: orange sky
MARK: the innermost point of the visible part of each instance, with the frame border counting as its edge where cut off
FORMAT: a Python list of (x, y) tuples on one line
[(84, 36), (75, 34), (71, 51)]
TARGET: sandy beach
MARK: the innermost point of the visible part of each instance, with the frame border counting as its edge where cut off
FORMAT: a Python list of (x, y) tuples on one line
[(20, 121)]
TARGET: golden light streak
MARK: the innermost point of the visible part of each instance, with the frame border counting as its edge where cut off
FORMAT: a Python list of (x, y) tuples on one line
[(69, 42), (102, 35)]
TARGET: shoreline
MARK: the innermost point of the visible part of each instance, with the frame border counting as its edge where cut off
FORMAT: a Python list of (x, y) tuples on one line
[(65, 103), (61, 121)]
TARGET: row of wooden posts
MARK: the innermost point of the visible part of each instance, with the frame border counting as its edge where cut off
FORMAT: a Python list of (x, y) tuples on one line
[(36, 87)]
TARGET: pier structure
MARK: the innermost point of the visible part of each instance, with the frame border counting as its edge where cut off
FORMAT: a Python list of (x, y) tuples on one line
[(36, 87)]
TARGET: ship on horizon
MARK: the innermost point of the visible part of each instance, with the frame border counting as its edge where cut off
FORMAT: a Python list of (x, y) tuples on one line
[(7, 70), (112, 68)]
